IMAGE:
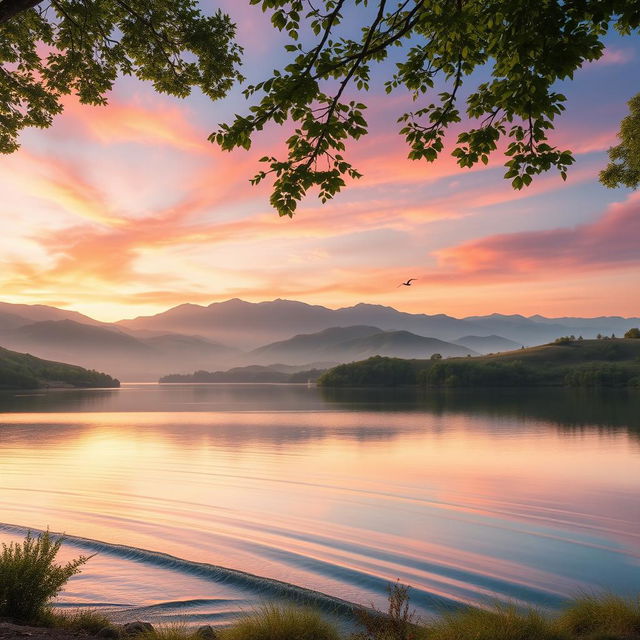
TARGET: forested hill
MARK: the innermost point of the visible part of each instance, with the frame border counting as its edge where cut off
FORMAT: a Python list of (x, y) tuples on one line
[(24, 371), (567, 362)]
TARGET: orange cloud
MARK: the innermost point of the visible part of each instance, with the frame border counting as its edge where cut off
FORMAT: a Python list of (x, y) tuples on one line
[(62, 185), (159, 123)]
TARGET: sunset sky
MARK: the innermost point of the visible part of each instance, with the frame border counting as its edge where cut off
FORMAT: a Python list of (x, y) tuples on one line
[(127, 210)]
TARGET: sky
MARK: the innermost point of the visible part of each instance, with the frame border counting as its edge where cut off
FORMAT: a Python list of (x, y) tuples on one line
[(128, 210)]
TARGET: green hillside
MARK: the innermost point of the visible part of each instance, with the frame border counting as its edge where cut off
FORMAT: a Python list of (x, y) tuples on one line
[(24, 371), (567, 362)]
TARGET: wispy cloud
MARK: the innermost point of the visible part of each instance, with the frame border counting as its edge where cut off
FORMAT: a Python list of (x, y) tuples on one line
[(157, 123), (612, 242)]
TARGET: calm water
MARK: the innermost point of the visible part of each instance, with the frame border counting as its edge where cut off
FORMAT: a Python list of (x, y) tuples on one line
[(467, 497)]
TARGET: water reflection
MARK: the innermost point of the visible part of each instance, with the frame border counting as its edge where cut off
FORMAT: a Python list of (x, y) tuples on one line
[(570, 409), (466, 496)]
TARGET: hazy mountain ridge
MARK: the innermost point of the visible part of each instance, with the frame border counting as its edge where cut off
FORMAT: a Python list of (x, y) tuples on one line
[(256, 324), (238, 333), (342, 344), (487, 344), (111, 349), (30, 313)]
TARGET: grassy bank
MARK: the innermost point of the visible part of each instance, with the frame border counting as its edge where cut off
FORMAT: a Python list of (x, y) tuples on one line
[(567, 362), (588, 618), (30, 578)]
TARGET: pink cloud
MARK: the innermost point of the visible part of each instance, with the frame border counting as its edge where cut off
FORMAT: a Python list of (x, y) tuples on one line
[(612, 242), (613, 56)]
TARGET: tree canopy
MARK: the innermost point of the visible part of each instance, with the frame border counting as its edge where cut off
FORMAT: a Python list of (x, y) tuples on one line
[(624, 168), (54, 47)]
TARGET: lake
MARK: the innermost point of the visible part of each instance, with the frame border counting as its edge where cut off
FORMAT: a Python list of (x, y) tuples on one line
[(468, 497)]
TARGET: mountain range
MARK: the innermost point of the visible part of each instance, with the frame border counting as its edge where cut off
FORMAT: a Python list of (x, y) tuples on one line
[(238, 333)]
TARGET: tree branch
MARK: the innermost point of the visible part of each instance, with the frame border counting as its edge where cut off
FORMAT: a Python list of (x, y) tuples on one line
[(11, 8)]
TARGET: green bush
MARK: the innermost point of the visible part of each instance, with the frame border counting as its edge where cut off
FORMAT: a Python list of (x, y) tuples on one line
[(605, 616), (281, 623), (30, 578)]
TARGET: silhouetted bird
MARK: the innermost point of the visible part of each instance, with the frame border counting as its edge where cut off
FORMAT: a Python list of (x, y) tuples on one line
[(407, 283)]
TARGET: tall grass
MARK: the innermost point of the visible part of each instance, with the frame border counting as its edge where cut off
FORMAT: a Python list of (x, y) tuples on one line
[(88, 620), (281, 623), (172, 631), (30, 577), (500, 623), (607, 616)]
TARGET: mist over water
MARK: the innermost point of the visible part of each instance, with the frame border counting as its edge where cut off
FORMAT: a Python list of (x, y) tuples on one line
[(468, 497)]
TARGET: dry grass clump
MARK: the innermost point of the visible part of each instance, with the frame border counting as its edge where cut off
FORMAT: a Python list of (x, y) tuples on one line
[(281, 623), (171, 631), (89, 620), (607, 617), (499, 623), (399, 622)]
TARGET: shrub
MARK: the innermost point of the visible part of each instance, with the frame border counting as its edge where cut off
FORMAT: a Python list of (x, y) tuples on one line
[(500, 623), (281, 623), (29, 577), (633, 333), (604, 616), (397, 623)]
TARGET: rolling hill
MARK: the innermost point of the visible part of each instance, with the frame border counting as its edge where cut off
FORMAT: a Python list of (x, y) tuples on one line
[(588, 363), (24, 371)]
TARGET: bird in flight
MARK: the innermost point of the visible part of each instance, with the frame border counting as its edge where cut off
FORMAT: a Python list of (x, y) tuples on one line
[(407, 283)]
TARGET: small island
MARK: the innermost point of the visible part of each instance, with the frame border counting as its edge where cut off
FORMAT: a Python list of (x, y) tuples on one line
[(24, 371), (569, 361), (252, 373)]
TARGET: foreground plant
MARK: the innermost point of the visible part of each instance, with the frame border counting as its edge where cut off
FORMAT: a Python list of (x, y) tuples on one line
[(282, 623), (607, 616), (399, 622), (500, 623), (30, 578), (88, 620)]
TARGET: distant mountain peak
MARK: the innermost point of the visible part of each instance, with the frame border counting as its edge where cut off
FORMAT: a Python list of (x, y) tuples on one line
[(368, 305)]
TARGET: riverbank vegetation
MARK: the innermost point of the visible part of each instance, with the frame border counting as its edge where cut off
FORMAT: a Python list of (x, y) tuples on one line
[(24, 371), (252, 373), (573, 362)]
